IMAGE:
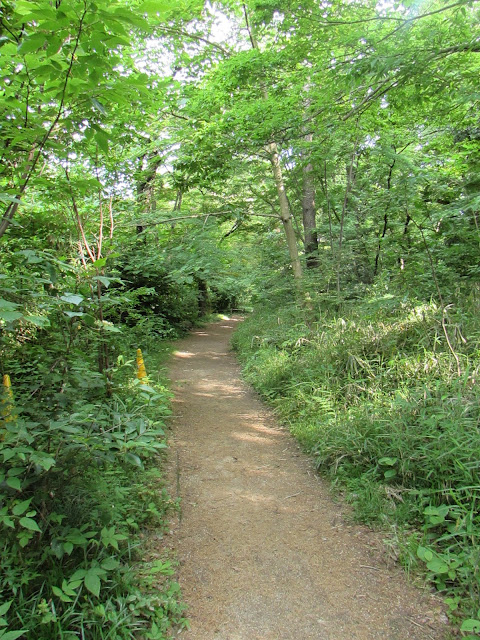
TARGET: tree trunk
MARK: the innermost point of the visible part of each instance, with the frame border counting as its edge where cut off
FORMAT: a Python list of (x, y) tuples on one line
[(202, 296), (385, 218), (308, 213), (285, 215)]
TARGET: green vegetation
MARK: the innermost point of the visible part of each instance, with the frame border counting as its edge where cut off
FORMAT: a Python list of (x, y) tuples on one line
[(372, 391), (161, 160)]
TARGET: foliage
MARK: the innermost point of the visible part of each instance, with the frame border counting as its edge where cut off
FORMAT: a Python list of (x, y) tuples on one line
[(153, 154), (373, 393)]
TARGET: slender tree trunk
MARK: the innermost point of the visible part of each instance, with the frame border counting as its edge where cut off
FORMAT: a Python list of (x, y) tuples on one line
[(285, 213), (351, 174), (385, 219), (308, 213)]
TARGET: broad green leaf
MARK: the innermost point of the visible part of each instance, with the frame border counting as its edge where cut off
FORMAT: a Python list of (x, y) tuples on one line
[(72, 298), (92, 583), (104, 280), (7, 305), (10, 316), (8, 522), (78, 575), (437, 566), (424, 554), (38, 321), (30, 524), (24, 539), (7, 198), (43, 460), (23, 7), (470, 625), (134, 459), (21, 507), (14, 483), (32, 43), (102, 140), (110, 564), (389, 462), (153, 7)]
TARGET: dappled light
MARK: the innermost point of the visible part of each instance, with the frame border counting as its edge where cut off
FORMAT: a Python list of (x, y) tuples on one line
[(256, 526), (295, 182)]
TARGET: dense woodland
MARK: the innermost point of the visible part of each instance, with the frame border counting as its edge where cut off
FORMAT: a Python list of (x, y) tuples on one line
[(317, 161)]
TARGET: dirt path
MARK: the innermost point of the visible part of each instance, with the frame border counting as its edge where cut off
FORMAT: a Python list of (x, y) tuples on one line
[(264, 552)]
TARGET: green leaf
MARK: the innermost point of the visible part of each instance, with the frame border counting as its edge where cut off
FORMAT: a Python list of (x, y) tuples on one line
[(99, 106), (389, 462), (105, 281), (152, 7), (10, 316), (14, 483), (92, 583), (24, 539), (60, 594), (12, 635), (38, 321), (110, 564), (101, 139), (134, 459), (424, 554), (437, 565), (20, 508), (5, 607), (23, 7), (32, 43), (8, 522), (72, 298), (78, 575), (30, 524), (7, 305), (437, 511), (44, 460), (470, 625)]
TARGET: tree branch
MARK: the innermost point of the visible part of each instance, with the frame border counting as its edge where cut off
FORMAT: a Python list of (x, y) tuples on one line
[(199, 215)]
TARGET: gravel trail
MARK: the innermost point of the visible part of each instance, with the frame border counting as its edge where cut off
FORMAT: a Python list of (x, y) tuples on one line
[(265, 552)]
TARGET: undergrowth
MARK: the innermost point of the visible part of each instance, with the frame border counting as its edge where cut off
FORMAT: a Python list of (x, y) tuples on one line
[(372, 391), (81, 487)]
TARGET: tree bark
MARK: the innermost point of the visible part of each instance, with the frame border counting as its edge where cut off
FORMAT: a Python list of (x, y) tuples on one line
[(308, 213), (285, 214)]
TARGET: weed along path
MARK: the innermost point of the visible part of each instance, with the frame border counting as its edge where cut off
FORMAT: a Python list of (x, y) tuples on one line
[(265, 554)]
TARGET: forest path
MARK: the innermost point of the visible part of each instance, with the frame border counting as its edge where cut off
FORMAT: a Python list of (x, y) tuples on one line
[(264, 551)]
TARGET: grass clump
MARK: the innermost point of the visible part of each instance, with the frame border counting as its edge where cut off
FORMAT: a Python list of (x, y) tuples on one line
[(373, 393)]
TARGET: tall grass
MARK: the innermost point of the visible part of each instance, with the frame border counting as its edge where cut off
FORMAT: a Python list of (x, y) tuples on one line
[(373, 393)]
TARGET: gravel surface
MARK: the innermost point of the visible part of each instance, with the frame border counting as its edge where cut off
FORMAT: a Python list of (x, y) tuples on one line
[(265, 552)]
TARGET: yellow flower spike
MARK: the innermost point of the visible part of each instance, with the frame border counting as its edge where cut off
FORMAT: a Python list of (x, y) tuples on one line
[(7, 403), (141, 371)]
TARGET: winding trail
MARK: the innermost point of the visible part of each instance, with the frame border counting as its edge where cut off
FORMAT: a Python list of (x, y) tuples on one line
[(264, 551)]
